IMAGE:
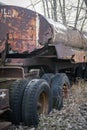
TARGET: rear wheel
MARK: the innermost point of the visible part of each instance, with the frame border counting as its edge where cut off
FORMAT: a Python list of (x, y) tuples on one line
[(36, 101), (60, 87), (85, 73), (16, 96), (48, 77)]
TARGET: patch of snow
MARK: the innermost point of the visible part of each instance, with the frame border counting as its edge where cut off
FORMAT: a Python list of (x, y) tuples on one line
[(57, 25)]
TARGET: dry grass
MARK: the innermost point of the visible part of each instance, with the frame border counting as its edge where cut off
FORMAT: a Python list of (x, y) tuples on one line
[(77, 96), (79, 92)]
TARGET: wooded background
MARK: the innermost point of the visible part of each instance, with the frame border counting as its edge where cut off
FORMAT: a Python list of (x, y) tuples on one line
[(69, 12)]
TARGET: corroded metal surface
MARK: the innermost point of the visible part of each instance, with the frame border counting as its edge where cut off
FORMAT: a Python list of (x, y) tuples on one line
[(22, 29), (19, 26), (11, 72), (68, 36), (66, 52)]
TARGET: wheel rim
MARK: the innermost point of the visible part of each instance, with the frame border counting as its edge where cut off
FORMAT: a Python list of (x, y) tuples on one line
[(65, 90), (42, 105)]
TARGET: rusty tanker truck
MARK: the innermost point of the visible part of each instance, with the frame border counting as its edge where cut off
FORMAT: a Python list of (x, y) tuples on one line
[(39, 60)]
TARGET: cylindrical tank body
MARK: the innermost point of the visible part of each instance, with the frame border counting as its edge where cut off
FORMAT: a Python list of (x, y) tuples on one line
[(68, 36), (25, 30)]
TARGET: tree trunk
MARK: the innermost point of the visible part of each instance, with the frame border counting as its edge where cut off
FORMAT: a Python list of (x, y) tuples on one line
[(64, 15), (55, 9), (44, 8), (77, 15), (62, 10), (47, 8)]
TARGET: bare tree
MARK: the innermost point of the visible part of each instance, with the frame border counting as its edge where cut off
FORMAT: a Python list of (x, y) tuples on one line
[(64, 15), (85, 18), (85, 2), (33, 4), (77, 14), (70, 12), (83, 23), (62, 10), (52, 8), (55, 9), (44, 7), (79, 8), (47, 8)]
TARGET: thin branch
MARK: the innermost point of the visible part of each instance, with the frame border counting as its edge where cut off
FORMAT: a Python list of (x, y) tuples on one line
[(80, 8), (76, 19), (33, 4), (50, 1), (44, 7), (83, 24), (64, 15), (55, 9), (47, 8), (61, 9)]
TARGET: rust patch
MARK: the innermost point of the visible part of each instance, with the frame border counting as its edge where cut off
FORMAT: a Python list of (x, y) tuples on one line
[(12, 72), (64, 52), (20, 25), (80, 56), (23, 29), (70, 53)]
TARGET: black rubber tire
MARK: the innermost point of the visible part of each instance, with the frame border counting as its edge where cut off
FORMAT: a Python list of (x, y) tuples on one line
[(48, 77), (79, 72), (16, 96), (30, 99), (85, 73), (57, 87)]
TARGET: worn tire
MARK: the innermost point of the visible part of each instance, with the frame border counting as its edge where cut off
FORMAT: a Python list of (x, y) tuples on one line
[(57, 85), (79, 72), (16, 96), (85, 73), (48, 77), (36, 100)]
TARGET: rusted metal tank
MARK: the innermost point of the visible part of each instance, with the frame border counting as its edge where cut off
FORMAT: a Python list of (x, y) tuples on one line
[(25, 31), (68, 36)]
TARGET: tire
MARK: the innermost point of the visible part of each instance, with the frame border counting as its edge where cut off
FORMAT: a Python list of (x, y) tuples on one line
[(48, 77), (79, 72), (57, 87), (85, 73), (16, 96), (36, 100)]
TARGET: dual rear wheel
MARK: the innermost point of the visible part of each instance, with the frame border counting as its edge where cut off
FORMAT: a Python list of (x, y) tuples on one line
[(30, 98), (60, 86)]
